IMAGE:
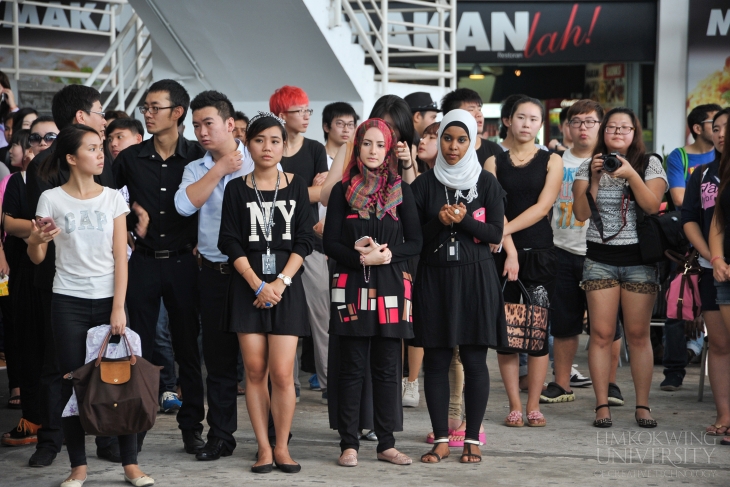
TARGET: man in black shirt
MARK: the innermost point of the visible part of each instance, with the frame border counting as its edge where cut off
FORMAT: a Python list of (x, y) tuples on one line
[(162, 264), (82, 105), (308, 159), (469, 100)]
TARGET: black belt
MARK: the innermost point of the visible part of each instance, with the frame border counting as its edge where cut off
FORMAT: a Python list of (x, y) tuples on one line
[(162, 254), (221, 267)]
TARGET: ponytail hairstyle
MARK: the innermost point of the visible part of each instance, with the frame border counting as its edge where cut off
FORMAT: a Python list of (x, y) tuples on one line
[(723, 172), (637, 149), (67, 144)]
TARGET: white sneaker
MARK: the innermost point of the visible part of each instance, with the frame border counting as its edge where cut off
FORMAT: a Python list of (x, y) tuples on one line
[(577, 379), (403, 388), (411, 395)]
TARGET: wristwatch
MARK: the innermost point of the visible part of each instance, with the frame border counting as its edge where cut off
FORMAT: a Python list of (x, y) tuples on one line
[(286, 279)]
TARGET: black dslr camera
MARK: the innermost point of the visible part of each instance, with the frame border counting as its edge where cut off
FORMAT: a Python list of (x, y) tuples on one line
[(611, 162)]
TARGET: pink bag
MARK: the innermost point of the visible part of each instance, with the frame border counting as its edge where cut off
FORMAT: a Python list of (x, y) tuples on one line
[(683, 295)]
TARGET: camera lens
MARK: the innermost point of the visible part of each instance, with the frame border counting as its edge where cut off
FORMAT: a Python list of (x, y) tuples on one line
[(611, 163)]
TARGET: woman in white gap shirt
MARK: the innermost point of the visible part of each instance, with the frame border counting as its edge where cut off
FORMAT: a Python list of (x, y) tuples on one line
[(89, 230)]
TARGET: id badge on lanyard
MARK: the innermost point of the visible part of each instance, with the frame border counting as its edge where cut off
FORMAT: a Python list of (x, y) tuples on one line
[(268, 263)]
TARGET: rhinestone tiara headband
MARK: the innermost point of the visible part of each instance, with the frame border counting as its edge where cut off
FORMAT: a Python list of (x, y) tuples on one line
[(267, 114)]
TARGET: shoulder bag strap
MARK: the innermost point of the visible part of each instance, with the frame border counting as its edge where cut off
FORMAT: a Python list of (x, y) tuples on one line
[(685, 161), (596, 217)]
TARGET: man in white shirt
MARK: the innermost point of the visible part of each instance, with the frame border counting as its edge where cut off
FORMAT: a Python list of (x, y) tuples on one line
[(569, 237)]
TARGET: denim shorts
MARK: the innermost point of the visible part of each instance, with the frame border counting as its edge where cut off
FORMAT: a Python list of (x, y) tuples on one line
[(723, 292), (642, 279)]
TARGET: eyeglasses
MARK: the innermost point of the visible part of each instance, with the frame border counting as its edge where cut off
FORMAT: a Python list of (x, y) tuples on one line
[(36, 138), (302, 111), (153, 110), (103, 114), (340, 124), (588, 123), (619, 130), (706, 121)]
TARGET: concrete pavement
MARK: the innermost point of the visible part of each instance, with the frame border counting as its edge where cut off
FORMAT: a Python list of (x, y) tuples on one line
[(569, 451)]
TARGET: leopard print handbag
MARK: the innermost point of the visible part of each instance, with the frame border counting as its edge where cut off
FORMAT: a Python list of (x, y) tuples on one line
[(527, 323)]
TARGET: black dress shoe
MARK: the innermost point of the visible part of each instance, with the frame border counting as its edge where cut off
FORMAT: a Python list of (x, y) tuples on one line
[(287, 467), (193, 441), (213, 450), (43, 457), (110, 453)]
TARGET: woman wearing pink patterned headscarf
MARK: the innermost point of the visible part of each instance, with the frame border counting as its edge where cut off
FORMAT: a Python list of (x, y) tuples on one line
[(372, 230)]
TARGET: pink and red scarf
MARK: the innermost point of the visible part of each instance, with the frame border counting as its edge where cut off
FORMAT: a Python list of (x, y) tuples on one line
[(374, 189)]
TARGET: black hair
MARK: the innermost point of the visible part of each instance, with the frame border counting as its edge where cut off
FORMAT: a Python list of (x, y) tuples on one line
[(8, 116), (506, 112), (214, 99), (21, 138), (41, 119), (67, 143), (260, 124), (699, 114), (337, 109), (179, 96), (69, 100), (527, 99), (20, 115), (111, 115), (454, 99), (131, 124), (563, 115), (400, 113), (240, 116), (4, 105)]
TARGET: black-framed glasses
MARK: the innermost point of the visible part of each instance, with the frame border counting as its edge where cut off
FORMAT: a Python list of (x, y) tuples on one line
[(153, 110), (103, 114), (302, 111), (340, 124), (36, 138), (619, 130), (575, 123)]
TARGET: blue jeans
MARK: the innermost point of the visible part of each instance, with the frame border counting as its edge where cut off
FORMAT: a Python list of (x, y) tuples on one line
[(163, 354), (676, 345)]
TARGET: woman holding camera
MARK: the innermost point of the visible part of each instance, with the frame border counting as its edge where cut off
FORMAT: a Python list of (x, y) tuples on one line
[(619, 177)]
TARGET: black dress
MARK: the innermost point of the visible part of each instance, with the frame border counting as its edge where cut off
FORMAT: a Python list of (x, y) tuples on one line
[(243, 236), (459, 302), (382, 307)]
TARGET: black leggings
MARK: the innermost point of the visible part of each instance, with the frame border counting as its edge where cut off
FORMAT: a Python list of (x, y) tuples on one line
[(72, 318), (436, 363)]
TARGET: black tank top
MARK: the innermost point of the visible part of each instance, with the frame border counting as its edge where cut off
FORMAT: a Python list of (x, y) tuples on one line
[(523, 185)]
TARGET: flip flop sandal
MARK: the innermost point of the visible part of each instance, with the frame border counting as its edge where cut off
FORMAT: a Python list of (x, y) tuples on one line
[(433, 453), (514, 419), (716, 431), (469, 455), (536, 419), (430, 437)]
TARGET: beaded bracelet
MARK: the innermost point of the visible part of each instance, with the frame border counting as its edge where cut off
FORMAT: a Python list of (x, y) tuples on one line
[(258, 291), (715, 258)]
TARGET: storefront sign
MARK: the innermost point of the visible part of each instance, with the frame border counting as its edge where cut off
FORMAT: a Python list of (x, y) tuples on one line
[(708, 53), (541, 32)]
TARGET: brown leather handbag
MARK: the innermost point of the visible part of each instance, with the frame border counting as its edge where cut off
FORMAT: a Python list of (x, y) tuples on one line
[(117, 396), (527, 324)]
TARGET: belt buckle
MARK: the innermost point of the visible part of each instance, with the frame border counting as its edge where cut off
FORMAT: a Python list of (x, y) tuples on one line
[(223, 268), (162, 254)]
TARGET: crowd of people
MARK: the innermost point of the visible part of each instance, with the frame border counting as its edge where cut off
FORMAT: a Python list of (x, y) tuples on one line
[(394, 245)]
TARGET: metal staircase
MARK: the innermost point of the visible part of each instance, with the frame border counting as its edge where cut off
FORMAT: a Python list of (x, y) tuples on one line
[(120, 67)]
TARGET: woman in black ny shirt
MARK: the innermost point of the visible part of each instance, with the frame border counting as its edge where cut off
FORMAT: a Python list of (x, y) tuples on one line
[(266, 302)]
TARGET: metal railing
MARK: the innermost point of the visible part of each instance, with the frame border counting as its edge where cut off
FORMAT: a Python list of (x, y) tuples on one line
[(124, 68), (371, 22)]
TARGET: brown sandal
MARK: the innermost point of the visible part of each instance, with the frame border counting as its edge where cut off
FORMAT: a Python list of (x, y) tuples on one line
[(433, 453), (469, 455)]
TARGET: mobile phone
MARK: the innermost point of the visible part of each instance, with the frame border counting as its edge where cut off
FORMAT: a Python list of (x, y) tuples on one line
[(361, 240), (47, 224)]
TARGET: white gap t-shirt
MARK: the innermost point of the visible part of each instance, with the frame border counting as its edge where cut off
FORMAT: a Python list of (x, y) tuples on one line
[(568, 234), (84, 248)]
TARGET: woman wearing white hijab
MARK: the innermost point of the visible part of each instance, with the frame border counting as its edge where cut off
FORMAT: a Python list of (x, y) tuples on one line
[(457, 298)]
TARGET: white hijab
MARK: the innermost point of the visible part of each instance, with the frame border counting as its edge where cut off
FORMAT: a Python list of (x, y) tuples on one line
[(463, 175)]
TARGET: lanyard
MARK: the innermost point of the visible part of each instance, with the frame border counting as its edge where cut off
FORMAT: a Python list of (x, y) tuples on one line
[(268, 223)]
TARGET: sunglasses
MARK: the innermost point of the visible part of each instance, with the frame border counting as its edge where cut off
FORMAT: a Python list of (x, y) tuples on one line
[(37, 138)]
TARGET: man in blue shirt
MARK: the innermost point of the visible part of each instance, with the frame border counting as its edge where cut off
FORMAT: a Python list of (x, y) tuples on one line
[(682, 160), (201, 190)]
